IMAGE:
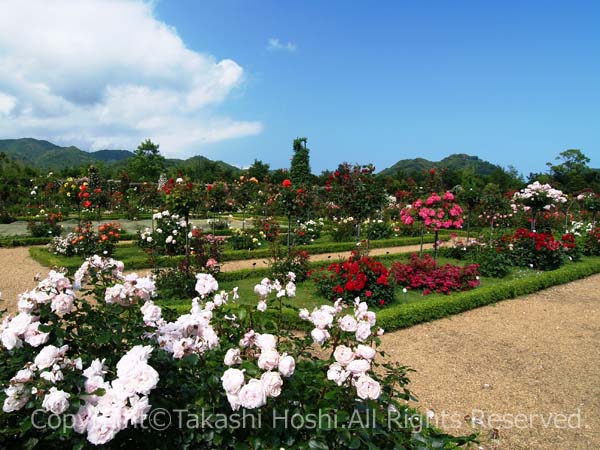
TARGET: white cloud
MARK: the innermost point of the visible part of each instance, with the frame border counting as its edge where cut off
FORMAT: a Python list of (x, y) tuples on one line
[(276, 44), (107, 73)]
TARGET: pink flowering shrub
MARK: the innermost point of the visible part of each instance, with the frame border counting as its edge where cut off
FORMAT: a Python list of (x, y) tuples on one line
[(436, 212), (96, 354), (423, 274)]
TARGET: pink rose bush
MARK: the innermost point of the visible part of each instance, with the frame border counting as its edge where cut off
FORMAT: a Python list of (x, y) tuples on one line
[(436, 212), (97, 352)]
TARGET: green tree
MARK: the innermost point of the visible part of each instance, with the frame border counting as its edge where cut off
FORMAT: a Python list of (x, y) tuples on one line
[(300, 168), (147, 163), (571, 172), (258, 170)]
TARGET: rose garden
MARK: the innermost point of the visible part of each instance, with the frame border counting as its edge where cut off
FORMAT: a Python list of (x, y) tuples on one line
[(139, 314)]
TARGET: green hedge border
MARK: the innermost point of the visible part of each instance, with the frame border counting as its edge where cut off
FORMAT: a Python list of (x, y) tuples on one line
[(22, 241), (405, 315)]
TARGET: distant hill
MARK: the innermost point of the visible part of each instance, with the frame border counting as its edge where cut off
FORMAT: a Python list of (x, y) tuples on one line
[(46, 155), (457, 161)]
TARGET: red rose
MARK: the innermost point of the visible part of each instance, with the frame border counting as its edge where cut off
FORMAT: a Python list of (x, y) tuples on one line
[(382, 302), (368, 293), (431, 171), (87, 204), (286, 183)]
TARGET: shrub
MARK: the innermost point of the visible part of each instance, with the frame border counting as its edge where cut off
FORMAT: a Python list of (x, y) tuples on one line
[(168, 236), (308, 231), (539, 250), (46, 228), (493, 262), (297, 262), (423, 273), (244, 240), (104, 360), (343, 229), (86, 242), (591, 243), (356, 277), (377, 229)]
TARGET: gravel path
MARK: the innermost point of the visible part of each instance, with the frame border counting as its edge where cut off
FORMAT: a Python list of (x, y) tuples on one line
[(535, 359)]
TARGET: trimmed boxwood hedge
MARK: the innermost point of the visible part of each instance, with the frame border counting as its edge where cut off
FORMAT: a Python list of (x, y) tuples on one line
[(404, 315)]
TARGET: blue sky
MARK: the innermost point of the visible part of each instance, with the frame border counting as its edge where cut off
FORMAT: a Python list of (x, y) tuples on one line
[(513, 82)]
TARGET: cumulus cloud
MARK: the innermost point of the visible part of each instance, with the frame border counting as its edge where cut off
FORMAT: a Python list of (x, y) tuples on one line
[(108, 73), (276, 44)]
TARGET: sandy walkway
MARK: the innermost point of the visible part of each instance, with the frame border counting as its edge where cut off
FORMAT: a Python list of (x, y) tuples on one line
[(537, 355)]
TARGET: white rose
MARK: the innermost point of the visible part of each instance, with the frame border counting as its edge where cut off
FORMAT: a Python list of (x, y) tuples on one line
[(265, 341), (233, 380), (10, 340), (47, 357), (348, 323), (343, 355), (234, 401), (16, 398), (367, 388), (262, 306), (268, 359), (232, 357), (56, 401), (337, 374), (321, 318), (19, 323), (272, 383), (366, 352), (319, 335), (359, 366), (304, 314), (252, 395), (23, 376), (102, 429), (34, 337), (363, 331), (62, 304), (287, 365)]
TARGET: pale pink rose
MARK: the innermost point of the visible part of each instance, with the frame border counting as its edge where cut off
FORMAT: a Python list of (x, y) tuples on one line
[(18, 325), (234, 401), (23, 376), (94, 383), (10, 339), (367, 388), (363, 331), (62, 304), (82, 417), (265, 341), (304, 314), (348, 323), (319, 335), (359, 366), (233, 380), (151, 312), (252, 395), (56, 401), (232, 357), (262, 306), (287, 365), (268, 359), (48, 356), (34, 337), (248, 339), (96, 368), (102, 429), (206, 284), (337, 374), (138, 410), (17, 396), (53, 376), (261, 290), (366, 352), (321, 319), (343, 355), (272, 383)]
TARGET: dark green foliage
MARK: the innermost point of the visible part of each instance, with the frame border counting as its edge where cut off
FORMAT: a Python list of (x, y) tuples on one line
[(300, 167)]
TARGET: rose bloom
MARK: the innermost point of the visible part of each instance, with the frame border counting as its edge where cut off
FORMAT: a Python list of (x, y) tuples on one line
[(232, 357), (321, 318), (56, 401), (206, 284), (348, 323), (359, 366), (34, 337), (319, 335), (268, 359), (262, 306), (287, 365), (233, 380), (252, 395), (101, 429), (48, 356), (367, 388), (366, 352), (62, 304), (304, 314), (363, 331), (343, 355), (272, 383), (337, 374), (265, 341)]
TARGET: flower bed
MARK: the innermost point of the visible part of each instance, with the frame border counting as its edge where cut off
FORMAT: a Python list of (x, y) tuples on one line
[(423, 273), (356, 277)]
